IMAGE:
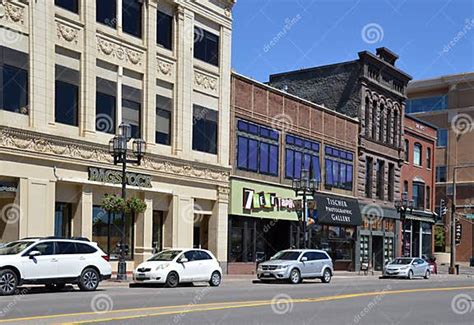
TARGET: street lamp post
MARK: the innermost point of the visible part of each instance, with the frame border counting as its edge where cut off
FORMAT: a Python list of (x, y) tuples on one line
[(402, 207), (304, 186), (118, 148)]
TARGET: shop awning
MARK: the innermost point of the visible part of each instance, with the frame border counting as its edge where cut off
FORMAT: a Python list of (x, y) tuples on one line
[(337, 210), (423, 217)]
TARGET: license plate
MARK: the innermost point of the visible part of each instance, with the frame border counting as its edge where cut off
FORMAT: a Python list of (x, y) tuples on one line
[(141, 275), (266, 274)]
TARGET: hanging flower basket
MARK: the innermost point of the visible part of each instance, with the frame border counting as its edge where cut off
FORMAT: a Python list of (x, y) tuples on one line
[(135, 205), (113, 203)]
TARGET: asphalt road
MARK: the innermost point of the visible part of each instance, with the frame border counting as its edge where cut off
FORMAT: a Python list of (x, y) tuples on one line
[(346, 300)]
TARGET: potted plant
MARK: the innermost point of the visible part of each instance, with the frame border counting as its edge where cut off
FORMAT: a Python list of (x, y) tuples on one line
[(135, 205)]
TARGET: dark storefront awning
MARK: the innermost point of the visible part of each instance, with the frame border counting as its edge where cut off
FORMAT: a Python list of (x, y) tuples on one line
[(421, 216), (337, 210)]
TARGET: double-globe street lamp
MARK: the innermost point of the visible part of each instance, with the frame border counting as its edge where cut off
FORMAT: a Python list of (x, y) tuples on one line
[(403, 206), (118, 148), (304, 186)]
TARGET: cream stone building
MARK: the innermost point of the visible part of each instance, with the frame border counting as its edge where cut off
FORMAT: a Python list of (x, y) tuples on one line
[(72, 71)]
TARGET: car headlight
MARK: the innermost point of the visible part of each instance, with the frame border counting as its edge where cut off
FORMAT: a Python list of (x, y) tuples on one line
[(282, 267), (162, 266), (404, 267)]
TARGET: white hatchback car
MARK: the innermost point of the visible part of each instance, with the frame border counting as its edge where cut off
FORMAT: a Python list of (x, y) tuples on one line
[(53, 262), (175, 266)]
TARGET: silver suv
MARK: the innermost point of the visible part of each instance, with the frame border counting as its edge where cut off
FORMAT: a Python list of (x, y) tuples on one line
[(295, 265)]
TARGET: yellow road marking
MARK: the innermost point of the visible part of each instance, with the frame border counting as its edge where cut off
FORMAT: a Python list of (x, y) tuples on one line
[(221, 306)]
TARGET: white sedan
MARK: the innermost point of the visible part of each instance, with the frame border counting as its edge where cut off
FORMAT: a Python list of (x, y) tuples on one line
[(407, 267), (175, 266)]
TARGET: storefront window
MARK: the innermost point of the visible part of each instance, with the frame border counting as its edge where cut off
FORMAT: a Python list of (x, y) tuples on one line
[(427, 239), (337, 241), (107, 230), (157, 237), (62, 220)]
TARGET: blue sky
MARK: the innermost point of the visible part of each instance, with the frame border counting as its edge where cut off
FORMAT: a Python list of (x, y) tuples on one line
[(432, 37)]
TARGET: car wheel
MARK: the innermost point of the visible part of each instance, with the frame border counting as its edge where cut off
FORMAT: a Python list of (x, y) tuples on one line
[(89, 280), (172, 280), (55, 286), (215, 279), (410, 275), (8, 282), (295, 276), (427, 274), (326, 276)]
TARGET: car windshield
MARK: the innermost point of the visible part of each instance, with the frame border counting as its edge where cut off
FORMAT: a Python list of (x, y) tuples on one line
[(401, 261), (286, 255), (165, 256), (15, 247)]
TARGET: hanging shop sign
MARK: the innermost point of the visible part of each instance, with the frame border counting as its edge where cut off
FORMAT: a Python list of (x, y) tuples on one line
[(115, 177), (253, 200), (337, 210)]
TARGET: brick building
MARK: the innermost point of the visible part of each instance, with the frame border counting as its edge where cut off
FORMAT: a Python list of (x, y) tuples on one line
[(372, 89), (274, 135), (447, 102), (418, 180)]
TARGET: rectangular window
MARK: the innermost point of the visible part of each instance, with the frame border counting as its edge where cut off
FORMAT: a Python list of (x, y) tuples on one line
[(369, 170), (428, 198), (441, 174), (13, 81), (132, 17), (131, 109), (339, 168), (301, 154), (163, 120), (62, 220), (427, 104), (71, 5), (257, 148), (164, 30), (106, 12), (205, 128), (419, 195), (206, 46), (442, 138), (391, 182), (106, 105), (407, 150), (417, 154), (66, 96), (428, 158), (380, 179)]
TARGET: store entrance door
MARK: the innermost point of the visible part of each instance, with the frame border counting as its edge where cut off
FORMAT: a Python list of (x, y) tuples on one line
[(377, 252)]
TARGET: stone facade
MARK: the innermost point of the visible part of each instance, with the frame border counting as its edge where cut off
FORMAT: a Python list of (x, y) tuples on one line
[(48, 161)]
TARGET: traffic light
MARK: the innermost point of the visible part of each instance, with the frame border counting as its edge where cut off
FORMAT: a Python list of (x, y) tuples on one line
[(443, 209), (458, 233)]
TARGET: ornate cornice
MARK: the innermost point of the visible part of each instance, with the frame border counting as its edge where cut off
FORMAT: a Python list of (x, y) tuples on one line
[(12, 12), (67, 33), (80, 151), (119, 52)]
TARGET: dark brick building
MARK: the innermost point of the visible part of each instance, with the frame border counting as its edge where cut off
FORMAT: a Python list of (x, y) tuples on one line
[(372, 89)]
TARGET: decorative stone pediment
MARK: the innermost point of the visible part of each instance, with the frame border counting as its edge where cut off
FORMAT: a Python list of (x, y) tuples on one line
[(67, 33), (121, 54), (165, 69), (206, 83), (12, 12)]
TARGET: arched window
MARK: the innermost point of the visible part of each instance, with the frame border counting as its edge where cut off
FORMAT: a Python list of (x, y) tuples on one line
[(382, 121), (407, 150), (389, 126), (367, 116), (417, 154), (374, 120), (396, 143)]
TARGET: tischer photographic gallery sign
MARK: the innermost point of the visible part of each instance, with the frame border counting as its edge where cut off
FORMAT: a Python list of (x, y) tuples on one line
[(115, 177), (337, 210)]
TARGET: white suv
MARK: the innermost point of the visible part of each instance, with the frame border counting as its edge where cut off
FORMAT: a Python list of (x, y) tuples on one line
[(53, 262)]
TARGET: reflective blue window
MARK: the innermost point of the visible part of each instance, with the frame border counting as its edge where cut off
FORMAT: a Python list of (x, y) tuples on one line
[(427, 104), (257, 148), (442, 138), (301, 154), (339, 168)]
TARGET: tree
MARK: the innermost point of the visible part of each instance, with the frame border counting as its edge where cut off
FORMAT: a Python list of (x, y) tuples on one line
[(440, 239)]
